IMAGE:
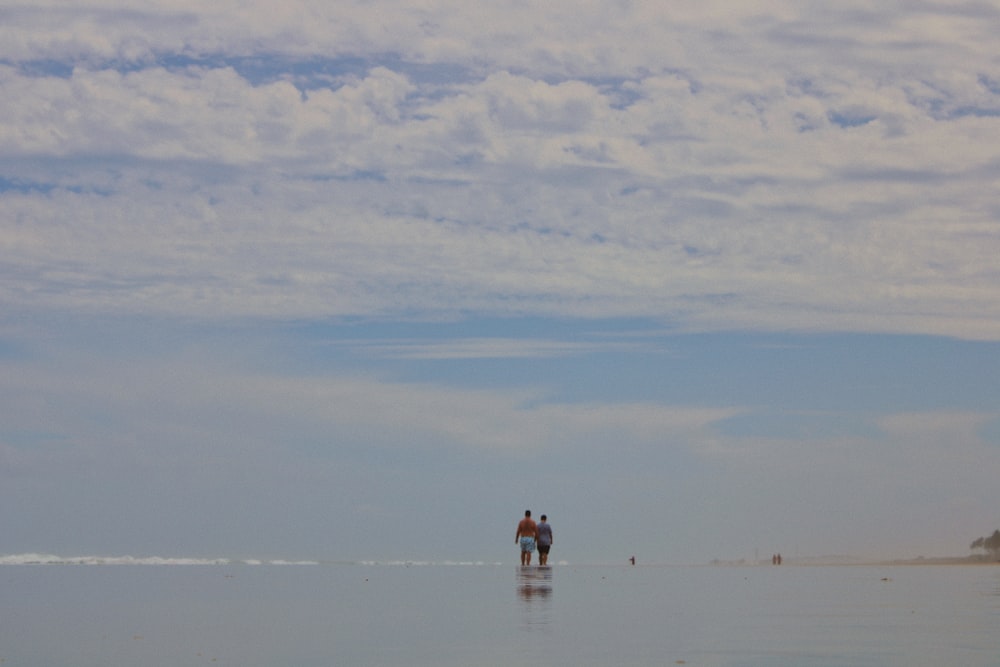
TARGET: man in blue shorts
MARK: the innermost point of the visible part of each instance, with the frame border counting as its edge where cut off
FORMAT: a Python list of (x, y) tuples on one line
[(527, 531)]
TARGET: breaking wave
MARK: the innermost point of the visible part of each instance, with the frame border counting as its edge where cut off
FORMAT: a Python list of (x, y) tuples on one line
[(51, 559), (426, 563)]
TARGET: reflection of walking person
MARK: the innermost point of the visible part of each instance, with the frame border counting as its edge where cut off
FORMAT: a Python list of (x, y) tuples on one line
[(527, 531), (544, 539)]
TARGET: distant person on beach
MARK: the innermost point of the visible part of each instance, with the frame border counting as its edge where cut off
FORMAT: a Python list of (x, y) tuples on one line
[(544, 539), (527, 531)]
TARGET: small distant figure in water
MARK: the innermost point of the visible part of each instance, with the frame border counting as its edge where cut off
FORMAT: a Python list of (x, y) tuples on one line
[(779, 559), (543, 536), (776, 559), (527, 531), (632, 560)]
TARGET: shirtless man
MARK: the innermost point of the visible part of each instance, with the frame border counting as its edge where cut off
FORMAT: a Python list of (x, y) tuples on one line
[(527, 531)]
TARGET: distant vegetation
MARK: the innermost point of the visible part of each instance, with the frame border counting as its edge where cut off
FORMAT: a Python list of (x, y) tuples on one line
[(990, 545)]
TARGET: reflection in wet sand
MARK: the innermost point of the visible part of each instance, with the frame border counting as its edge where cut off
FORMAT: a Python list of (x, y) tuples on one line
[(534, 589)]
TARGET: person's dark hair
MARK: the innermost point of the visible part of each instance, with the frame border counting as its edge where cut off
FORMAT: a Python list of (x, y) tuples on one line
[(544, 517), (527, 512)]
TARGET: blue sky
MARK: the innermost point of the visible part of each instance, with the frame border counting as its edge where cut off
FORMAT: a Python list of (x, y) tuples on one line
[(366, 280)]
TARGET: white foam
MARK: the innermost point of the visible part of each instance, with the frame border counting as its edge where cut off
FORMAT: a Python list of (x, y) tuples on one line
[(293, 562), (29, 559), (427, 563), (52, 559)]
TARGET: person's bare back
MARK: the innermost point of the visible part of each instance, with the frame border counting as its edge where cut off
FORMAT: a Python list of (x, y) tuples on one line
[(527, 532)]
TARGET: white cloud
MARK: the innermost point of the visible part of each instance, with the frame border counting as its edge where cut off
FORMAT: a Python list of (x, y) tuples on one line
[(773, 165), (478, 348), (186, 411)]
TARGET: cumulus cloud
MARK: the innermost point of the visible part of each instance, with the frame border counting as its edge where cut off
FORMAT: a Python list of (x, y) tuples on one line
[(769, 166)]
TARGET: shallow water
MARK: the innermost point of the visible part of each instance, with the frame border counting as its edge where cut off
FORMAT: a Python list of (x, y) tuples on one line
[(394, 615)]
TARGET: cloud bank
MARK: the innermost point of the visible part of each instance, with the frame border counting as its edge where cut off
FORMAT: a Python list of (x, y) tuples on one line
[(782, 166)]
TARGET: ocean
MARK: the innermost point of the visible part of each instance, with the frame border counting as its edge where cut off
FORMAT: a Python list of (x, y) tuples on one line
[(166, 612)]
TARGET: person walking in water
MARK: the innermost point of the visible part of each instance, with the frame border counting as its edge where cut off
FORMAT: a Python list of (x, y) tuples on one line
[(544, 540), (527, 531)]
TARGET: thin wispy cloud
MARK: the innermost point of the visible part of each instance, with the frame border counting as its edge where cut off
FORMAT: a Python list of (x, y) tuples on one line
[(481, 348)]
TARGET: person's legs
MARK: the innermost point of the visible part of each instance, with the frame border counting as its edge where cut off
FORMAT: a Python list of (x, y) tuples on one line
[(527, 546)]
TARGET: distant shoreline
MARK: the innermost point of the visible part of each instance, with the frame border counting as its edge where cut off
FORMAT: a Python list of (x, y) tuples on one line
[(852, 561), (943, 560)]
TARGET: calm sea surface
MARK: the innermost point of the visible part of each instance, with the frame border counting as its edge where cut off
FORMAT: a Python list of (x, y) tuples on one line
[(395, 615)]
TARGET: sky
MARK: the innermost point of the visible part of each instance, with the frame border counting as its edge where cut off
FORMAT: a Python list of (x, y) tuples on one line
[(365, 280)]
